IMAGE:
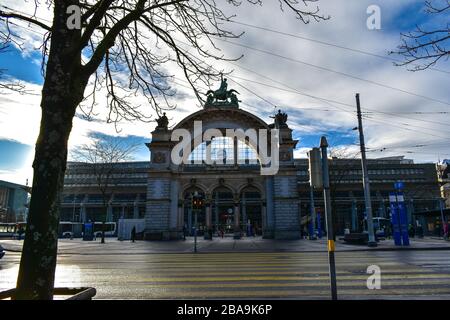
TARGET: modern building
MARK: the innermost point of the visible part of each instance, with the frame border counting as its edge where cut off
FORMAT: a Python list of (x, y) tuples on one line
[(13, 202), (125, 195), (242, 196)]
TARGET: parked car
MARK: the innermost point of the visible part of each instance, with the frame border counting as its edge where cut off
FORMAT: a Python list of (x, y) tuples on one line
[(2, 252)]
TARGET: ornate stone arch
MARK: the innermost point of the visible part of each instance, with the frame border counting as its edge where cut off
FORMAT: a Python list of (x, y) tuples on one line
[(257, 186), (189, 185), (222, 119)]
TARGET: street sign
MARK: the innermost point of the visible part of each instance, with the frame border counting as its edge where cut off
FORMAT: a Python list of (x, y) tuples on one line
[(399, 218), (399, 185), (395, 219), (403, 218), (88, 233)]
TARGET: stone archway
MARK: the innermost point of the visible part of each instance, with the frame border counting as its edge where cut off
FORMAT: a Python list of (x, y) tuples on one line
[(223, 210), (191, 218), (253, 220)]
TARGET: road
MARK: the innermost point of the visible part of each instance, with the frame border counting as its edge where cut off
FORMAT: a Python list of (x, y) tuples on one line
[(286, 275)]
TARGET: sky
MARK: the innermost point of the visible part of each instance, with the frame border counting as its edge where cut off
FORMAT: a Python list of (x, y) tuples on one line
[(276, 71)]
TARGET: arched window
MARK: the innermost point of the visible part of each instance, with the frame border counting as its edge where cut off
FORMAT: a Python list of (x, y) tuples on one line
[(222, 152)]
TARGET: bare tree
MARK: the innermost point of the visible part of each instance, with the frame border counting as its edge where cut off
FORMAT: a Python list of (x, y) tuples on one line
[(133, 37), (102, 157), (422, 48)]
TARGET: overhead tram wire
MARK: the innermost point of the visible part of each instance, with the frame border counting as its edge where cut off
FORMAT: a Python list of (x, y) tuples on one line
[(403, 128), (320, 98), (295, 91), (308, 95), (315, 97), (326, 43), (334, 71), (369, 119), (328, 101)]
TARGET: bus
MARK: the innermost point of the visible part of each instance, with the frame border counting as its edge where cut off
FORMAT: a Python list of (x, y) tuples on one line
[(71, 230), (12, 229), (7, 230), (68, 229), (109, 228)]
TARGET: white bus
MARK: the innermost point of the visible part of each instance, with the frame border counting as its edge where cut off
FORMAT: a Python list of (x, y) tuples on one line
[(68, 229), (109, 228)]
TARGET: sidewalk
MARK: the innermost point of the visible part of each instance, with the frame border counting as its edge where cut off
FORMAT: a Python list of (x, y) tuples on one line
[(218, 245)]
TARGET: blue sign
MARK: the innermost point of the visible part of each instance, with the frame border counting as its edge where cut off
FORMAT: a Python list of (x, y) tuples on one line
[(394, 219), (399, 218), (399, 185), (88, 232), (403, 218), (319, 226)]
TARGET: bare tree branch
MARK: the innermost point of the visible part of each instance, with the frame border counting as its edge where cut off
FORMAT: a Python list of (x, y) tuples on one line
[(422, 48)]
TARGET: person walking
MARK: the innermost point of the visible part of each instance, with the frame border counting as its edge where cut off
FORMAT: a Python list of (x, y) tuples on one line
[(184, 232), (133, 234)]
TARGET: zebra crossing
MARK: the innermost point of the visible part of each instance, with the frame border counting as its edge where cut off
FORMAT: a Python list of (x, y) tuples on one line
[(255, 275), (279, 276)]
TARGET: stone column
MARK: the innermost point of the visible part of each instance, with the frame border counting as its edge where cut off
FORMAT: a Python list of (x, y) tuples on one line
[(173, 220), (270, 221), (180, 214), (189, 220), (208, 231), (264, 216), (235, 150), (237, 228), (216, 210), (244, 214)]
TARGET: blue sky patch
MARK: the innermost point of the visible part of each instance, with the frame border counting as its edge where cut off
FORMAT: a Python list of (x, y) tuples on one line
[(13, 154), (26, 68)]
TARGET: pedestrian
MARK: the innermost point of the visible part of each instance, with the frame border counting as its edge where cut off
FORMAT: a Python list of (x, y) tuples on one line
[(133, 234), (420, 231), (20, 232), (411, 231), (445, 230), (221, 232), (184, 231)]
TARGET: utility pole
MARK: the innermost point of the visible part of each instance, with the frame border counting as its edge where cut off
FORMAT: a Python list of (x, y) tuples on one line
[(328, 218), (366, 184)]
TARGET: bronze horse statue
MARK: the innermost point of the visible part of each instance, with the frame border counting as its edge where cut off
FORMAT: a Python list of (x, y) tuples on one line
[(222, 94)]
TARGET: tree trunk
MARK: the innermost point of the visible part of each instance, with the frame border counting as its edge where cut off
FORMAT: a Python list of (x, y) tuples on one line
[(62, 92)]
